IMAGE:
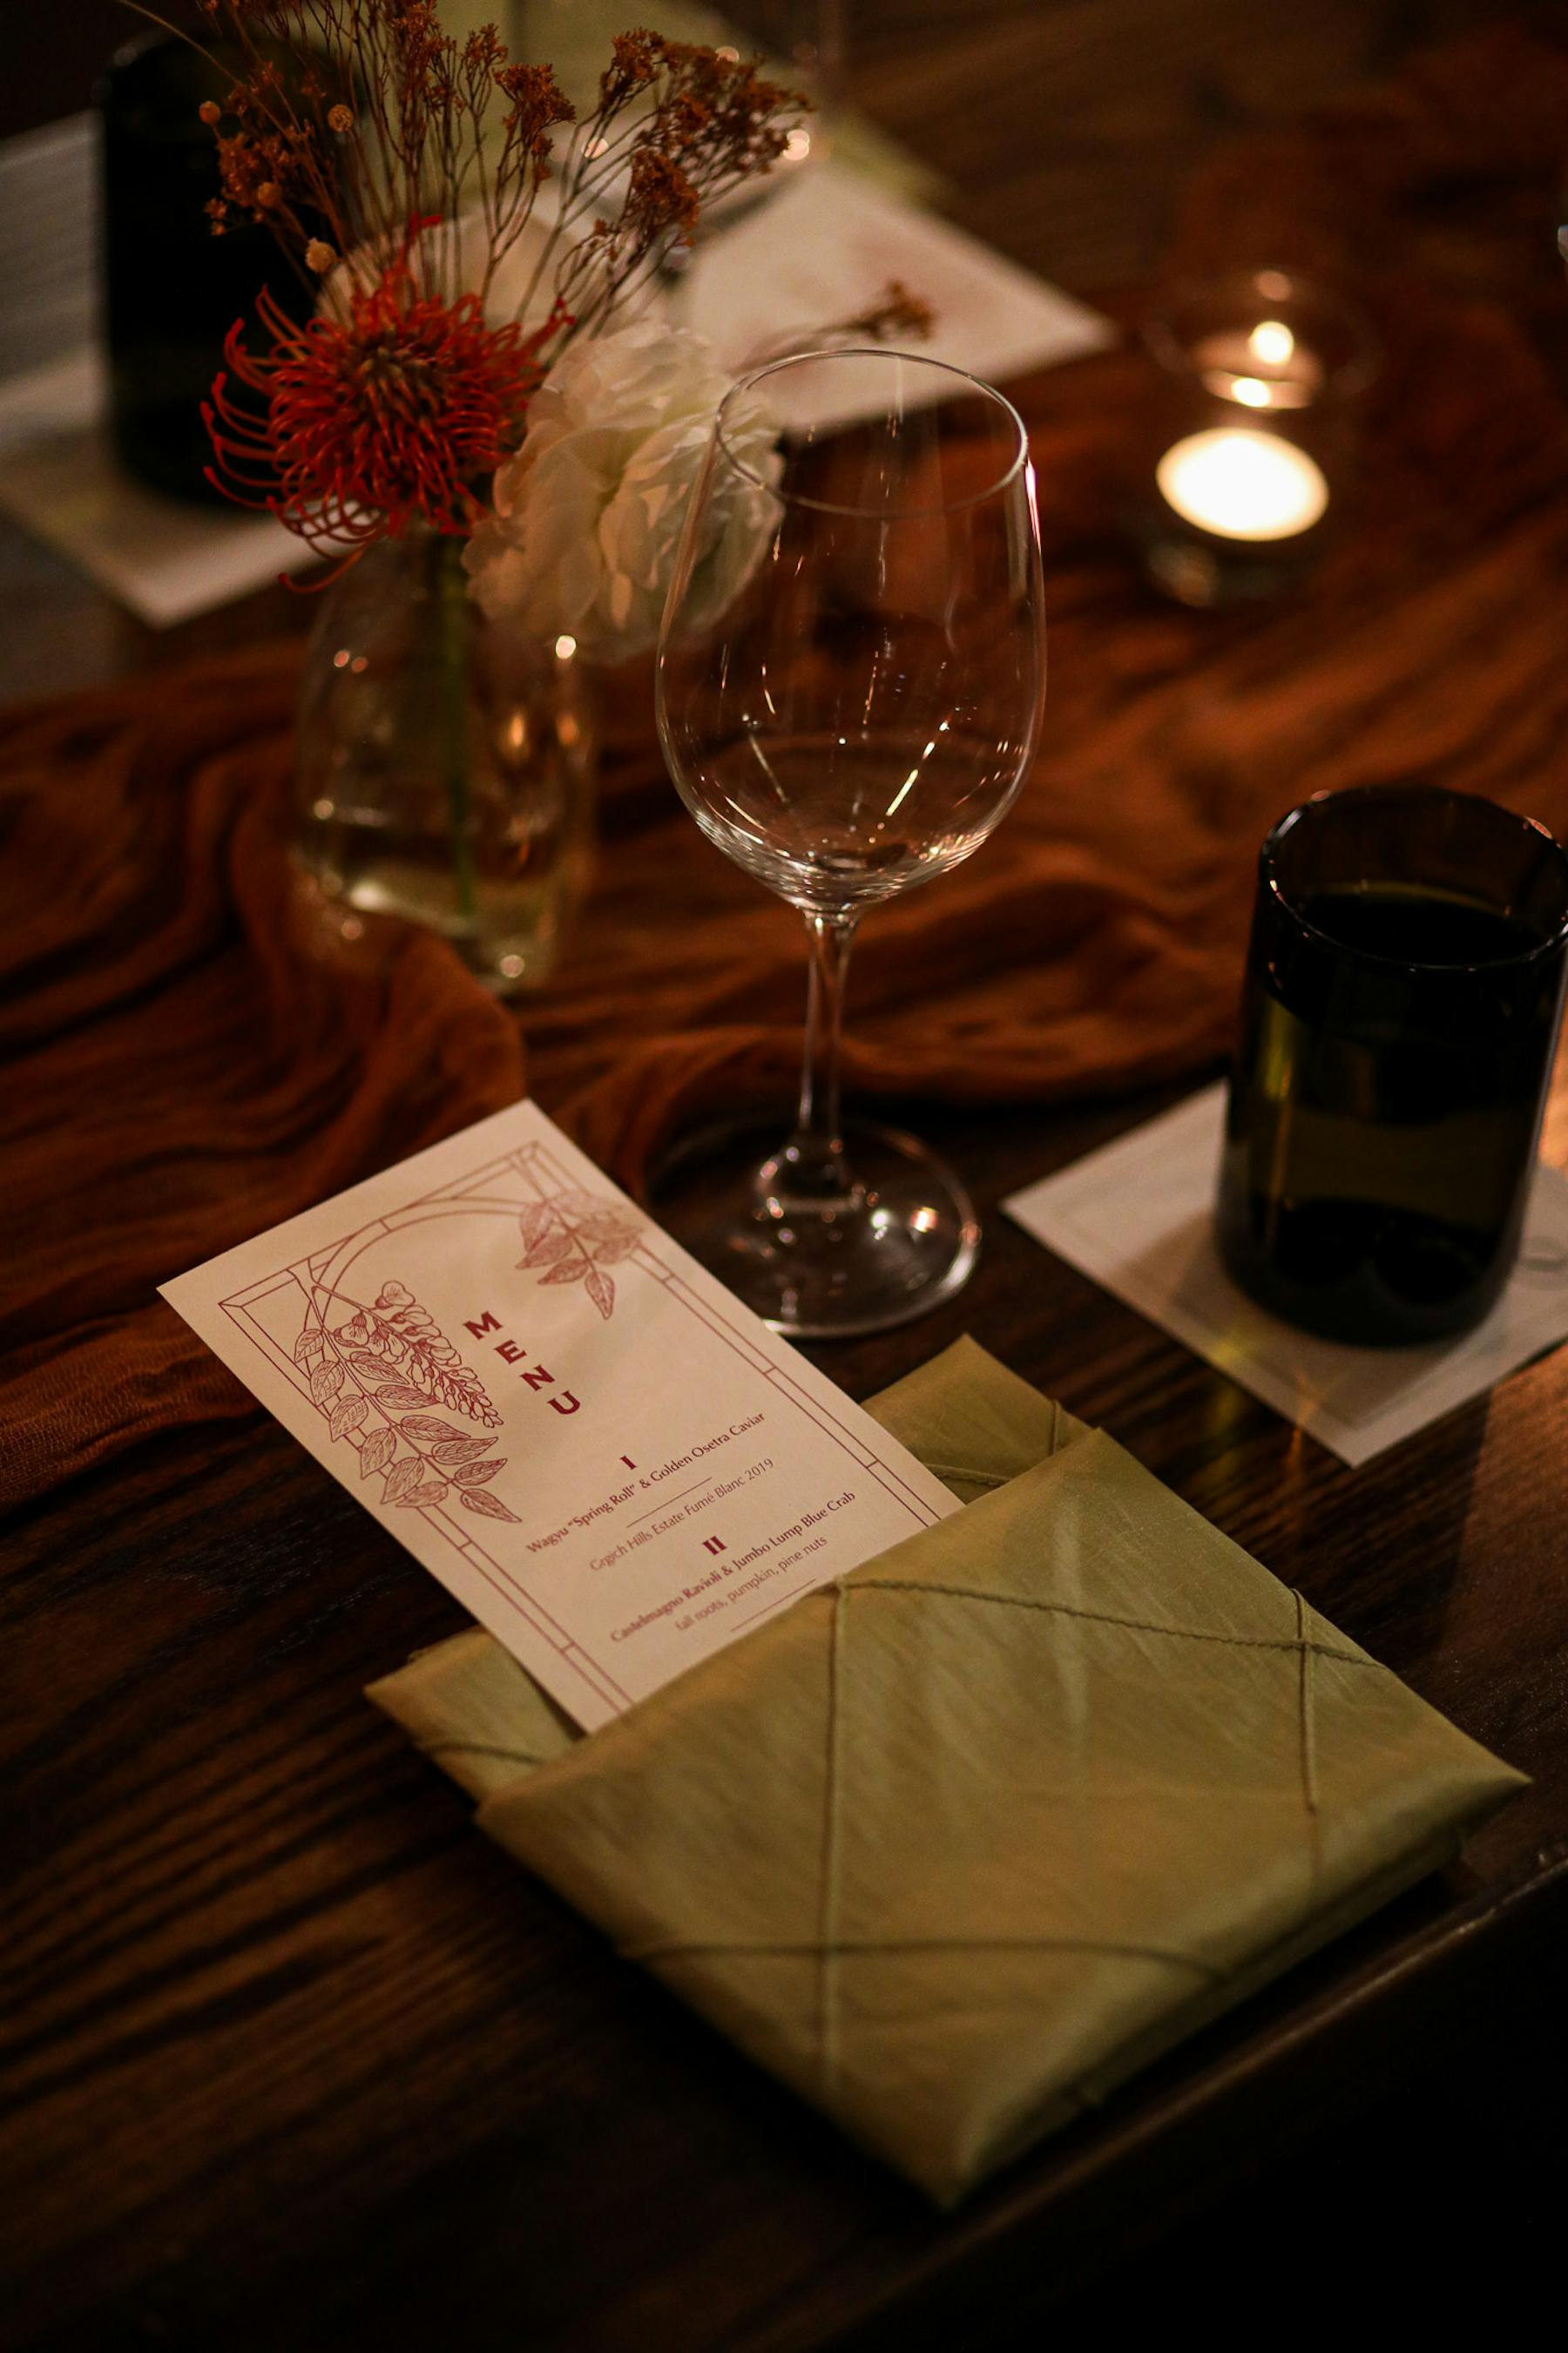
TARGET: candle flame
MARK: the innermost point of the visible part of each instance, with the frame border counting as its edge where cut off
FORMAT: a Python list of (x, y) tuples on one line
[(1243, 484)]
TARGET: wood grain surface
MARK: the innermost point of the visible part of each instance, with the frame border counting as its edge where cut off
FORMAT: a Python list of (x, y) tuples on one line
[(290, 2057), (295, 2052)]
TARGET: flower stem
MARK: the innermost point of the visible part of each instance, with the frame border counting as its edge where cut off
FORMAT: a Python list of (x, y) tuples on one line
[(453, 602)]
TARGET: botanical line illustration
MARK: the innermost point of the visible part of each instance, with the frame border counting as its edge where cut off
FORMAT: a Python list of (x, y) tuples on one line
[(575, 1238), (388, 1364)]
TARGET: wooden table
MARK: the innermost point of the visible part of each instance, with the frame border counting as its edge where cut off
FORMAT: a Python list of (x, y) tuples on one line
[(295, 2056)]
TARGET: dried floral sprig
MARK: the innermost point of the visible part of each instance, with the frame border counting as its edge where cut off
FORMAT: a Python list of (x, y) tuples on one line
[(374, 120), (897, 315), (685, 125)]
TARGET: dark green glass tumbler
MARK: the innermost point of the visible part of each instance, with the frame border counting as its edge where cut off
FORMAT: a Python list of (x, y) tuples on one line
[(1399, 1020)]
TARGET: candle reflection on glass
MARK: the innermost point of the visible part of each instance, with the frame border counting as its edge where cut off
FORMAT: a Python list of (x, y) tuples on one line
[(1268, 367), (1242, 484)]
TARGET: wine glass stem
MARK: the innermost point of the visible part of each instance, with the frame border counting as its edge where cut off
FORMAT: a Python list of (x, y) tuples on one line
[(816, 1147)]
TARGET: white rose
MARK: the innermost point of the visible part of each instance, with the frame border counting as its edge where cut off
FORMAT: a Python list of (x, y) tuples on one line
[(588, 515)]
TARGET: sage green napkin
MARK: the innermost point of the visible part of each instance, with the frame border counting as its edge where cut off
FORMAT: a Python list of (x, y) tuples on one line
[(955, 1845)]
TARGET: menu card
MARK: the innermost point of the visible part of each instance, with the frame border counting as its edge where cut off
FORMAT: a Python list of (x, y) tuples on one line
[(612, 1463), (824, 248)]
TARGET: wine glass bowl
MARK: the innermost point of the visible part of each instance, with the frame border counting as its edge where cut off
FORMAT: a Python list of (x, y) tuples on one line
[(848, 701)]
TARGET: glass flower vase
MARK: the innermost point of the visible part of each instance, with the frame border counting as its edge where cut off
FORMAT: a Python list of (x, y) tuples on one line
[(447, 764)]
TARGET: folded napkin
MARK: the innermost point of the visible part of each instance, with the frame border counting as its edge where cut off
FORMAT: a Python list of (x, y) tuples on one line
[(955, 1845)]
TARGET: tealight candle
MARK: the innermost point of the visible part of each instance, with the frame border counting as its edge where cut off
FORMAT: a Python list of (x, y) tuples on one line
[(1242, 484), (1255, 408)]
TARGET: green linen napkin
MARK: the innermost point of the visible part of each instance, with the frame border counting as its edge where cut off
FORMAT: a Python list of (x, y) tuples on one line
[(955, 1845)]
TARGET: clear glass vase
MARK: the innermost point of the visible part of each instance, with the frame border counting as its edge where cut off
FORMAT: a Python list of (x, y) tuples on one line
[(447, 764)]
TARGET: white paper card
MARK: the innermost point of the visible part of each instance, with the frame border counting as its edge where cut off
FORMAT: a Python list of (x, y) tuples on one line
[(606, 1458), (825, 248), (1136, 1218), (59, 478)]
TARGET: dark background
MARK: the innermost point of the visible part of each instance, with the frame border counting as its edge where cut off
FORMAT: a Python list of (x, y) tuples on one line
[(1129, 93), (54, 51)]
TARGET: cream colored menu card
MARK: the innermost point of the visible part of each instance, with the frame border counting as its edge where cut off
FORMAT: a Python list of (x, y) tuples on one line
[(606, 1458)]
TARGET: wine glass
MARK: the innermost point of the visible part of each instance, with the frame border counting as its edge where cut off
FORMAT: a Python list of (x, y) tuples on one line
[(850, 678)]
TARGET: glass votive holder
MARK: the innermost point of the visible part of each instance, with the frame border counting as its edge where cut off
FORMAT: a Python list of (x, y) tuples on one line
[(1253, 424), (1399, 1023)]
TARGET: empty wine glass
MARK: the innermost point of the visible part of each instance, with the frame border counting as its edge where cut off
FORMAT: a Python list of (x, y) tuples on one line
[(850, 679)]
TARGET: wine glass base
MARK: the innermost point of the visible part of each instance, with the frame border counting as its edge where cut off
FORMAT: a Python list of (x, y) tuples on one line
[(905, 1240)]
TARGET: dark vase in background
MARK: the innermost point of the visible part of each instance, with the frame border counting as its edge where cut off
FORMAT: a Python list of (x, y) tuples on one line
[(171, 289), (1399, 1020)]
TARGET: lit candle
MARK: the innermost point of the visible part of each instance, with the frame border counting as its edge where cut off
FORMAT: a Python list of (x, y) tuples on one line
[(1242, 484), (1266, 369)]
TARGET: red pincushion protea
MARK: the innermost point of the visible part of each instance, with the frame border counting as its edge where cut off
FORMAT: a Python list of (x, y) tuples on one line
[(371, 422)]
